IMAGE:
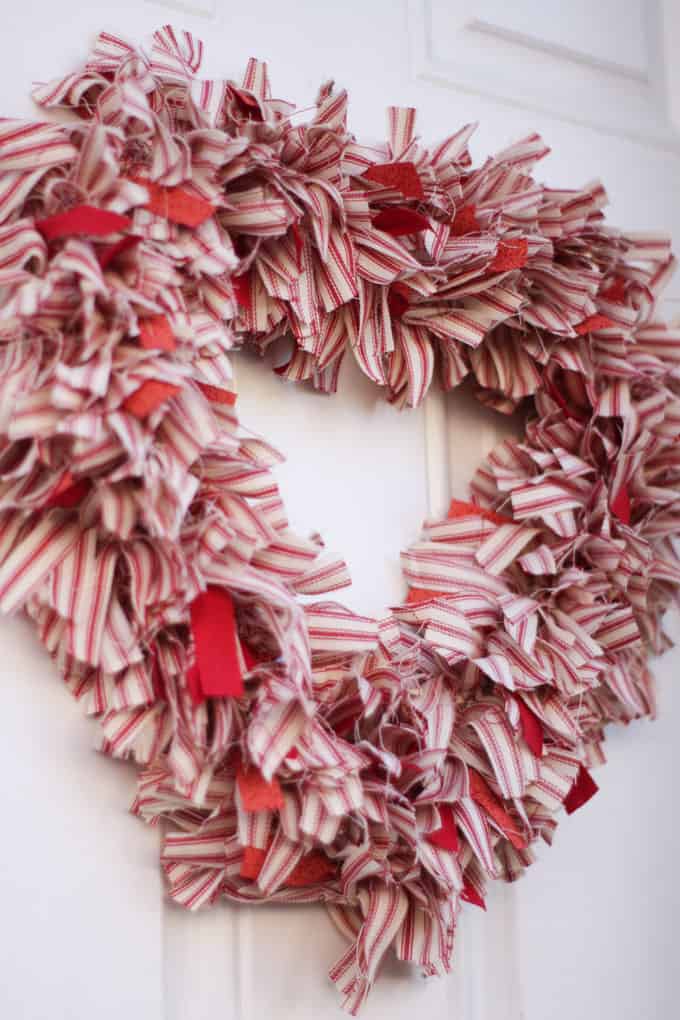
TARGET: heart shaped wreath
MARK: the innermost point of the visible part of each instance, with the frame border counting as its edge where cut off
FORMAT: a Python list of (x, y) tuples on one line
[(295, 750)]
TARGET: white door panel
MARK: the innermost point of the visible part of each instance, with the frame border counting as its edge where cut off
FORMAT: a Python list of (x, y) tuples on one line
[(579, 61), (80, 885)]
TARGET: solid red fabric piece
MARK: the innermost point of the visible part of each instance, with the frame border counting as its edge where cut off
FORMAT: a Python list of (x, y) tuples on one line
[(241, 286), (82, 221), (68, 492), (446, 836), (400, 220), (616, 291), (593, 322), (532, 730), (461, 508), (313, 868), (511, 254), (213, 624), (620, 505), (299, 244), (217, 395), (251, 864), (194, 685), (402, 176), (150, 395), (256, 793), (485, 797), (465, 221), (175, 204), (470, 895), (583, 789), (108, 252), (157, 680), (417, 595), (155, 333), (398, 300)]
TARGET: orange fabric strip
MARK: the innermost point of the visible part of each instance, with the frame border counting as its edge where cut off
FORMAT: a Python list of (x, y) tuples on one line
[(481, 792), (155, 333), (150, 395), (511, 254), (217, 395), (417, 595), (175, 204), (461, 508), (593, 322), (313, 868), (256, 793), (253, 859)]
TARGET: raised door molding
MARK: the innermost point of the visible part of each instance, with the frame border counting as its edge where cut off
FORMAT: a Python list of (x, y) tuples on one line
[(599, 64)]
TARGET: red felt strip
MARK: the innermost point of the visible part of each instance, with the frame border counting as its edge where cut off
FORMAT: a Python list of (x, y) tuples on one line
[(470, 894), (217, 395), (256, 793), (241, 285), (446, 836), (398, 300), (155, 333), (175, 204), (299, 244), (186, 209), (461, 508), (616, 291), (532, 730), (150, 395), (157, 683), (417, 595), (583, 789), (251, 864), (400, 220), (465, 221), (68, 492), (482, 793), (194, 685), (213, 624), (402, 176), (620, 505), (313, 868), (106, 253), (593, 322), (82, 221), (510, 254)]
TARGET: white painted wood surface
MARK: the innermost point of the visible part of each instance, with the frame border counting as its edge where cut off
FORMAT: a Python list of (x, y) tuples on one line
[(86, 931)]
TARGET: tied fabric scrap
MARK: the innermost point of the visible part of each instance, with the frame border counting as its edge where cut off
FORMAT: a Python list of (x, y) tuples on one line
[(296, 750)]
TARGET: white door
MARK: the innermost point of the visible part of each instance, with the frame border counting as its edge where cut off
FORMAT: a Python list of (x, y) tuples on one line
[(86, 931)]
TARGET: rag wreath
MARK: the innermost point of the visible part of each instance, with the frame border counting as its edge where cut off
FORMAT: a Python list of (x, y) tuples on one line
[(294, 750)]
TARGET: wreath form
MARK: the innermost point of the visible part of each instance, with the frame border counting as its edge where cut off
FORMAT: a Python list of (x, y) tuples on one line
[(295, 750)]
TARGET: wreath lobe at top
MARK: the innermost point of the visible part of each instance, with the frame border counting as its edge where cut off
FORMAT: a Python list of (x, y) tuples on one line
[(295, 750)]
